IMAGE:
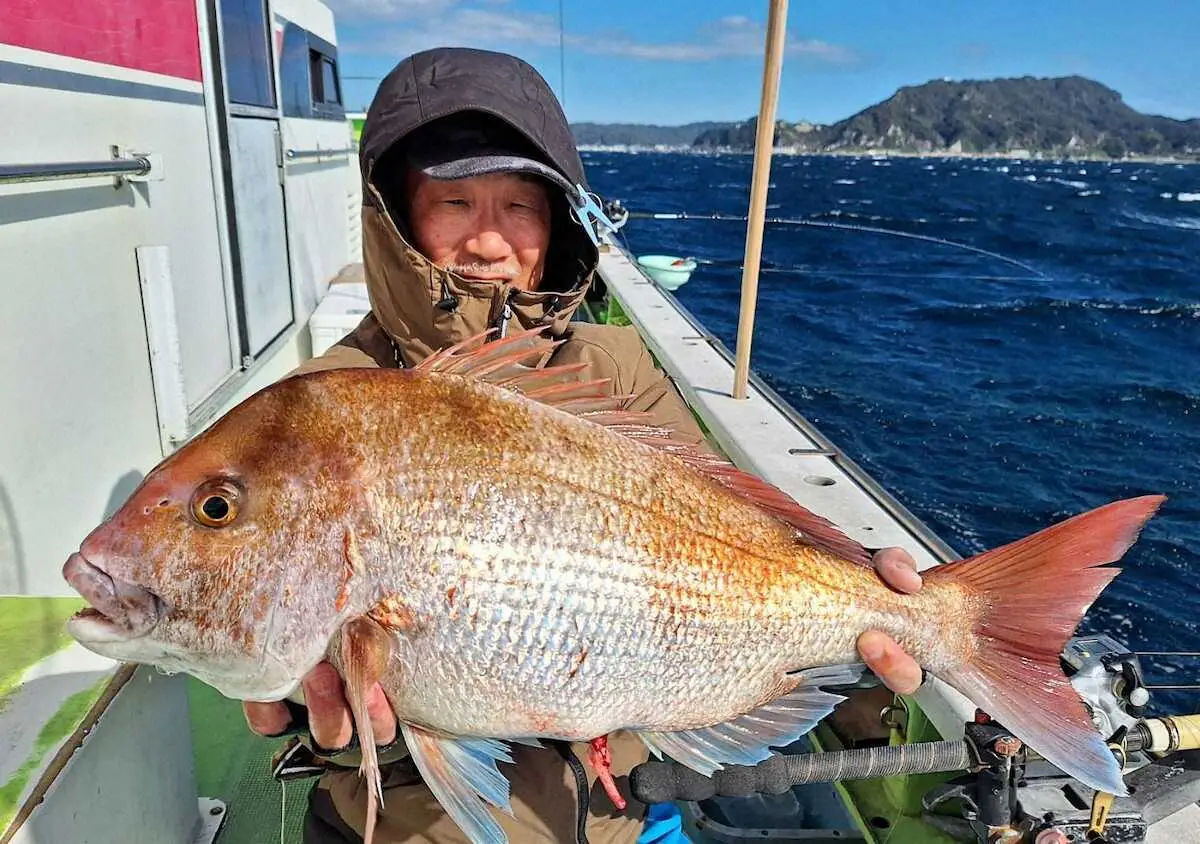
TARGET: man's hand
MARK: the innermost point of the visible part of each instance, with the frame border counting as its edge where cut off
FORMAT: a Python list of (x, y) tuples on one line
[(898, 671), (329, 717)]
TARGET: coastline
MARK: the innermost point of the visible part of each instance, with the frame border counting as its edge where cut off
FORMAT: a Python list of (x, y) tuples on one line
[(866, 152)]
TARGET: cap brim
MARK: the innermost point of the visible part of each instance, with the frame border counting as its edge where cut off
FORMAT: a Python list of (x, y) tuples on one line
[(482, 165)]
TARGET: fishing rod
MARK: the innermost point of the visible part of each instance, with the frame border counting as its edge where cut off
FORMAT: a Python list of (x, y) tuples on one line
[(1004, 791), (616, 211)]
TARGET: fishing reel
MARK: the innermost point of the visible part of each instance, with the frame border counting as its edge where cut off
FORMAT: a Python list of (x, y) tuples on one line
[(1006, 793)]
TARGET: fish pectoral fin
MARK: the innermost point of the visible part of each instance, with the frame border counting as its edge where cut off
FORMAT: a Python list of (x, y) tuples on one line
[(748, 739), (459, 772), (362, 656)]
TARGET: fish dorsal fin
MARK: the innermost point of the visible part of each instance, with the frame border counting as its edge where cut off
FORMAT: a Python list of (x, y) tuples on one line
[(748, 739), (519, 363)]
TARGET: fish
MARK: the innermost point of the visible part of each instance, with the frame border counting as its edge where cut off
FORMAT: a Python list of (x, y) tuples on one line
[(517, 556)]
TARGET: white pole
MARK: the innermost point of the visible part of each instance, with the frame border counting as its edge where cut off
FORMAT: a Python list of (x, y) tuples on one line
[(763, 144)]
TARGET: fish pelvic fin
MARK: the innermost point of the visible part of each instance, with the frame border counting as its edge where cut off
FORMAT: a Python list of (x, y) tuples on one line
[(459, 772), (363, 655), (1036, 590), (520, 362), (748, 739)]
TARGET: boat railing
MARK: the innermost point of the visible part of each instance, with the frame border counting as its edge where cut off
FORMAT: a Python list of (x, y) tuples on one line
[(134, 167)]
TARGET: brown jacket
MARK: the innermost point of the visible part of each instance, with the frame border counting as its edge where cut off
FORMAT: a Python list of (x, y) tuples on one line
[(404, 327)]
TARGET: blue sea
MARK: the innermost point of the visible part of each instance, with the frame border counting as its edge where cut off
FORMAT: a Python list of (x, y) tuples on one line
[(993, 394)]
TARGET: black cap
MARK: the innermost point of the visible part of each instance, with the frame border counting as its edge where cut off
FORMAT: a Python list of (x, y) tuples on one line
[(471, 144), (438, 83)]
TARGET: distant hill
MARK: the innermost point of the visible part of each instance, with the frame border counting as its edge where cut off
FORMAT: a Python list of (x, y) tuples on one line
[(741, 135), (639, 135), (1061, 117)]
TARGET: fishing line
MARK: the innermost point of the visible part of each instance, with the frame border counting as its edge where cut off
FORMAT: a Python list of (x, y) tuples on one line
[(797, 270), (282, 812), (854, 227)]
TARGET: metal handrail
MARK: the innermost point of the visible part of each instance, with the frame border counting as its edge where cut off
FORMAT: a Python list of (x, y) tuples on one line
[(295, 154), (138, 165)]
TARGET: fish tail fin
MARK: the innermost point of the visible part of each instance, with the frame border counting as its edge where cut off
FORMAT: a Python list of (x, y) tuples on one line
[(365, 648), (1036, 591)]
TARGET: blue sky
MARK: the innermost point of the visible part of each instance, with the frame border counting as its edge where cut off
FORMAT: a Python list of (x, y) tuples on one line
[(677, 61)]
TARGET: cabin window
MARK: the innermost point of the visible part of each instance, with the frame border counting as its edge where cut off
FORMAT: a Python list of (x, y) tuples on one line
[(308, 76), (294, 87), (246, 49), (324, 80)]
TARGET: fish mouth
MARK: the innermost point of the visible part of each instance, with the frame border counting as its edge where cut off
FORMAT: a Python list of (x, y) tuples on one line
[(119, 610)]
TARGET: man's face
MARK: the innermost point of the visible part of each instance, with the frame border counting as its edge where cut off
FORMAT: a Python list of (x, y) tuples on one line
[(494, 227)]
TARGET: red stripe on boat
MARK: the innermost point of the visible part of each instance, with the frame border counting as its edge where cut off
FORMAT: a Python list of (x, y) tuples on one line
[(159, 36)]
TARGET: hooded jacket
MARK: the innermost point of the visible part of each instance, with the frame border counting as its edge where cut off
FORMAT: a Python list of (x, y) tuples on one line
[(418, 308)]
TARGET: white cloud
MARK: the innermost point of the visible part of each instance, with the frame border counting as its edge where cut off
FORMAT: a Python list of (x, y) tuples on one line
[(445, 23)]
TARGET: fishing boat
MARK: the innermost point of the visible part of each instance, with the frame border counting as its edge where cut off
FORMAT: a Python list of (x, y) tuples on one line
[(183, 230)]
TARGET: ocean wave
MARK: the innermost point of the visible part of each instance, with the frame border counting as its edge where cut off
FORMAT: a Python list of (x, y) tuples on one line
[(1088, 193), (845, 182), (1035, 307), (1185, 223), (1163, 397), (1187, 197), (1070, 183)]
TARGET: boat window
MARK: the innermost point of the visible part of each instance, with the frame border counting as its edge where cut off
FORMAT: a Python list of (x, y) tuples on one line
[(308, 76), (245, 46), (329, 93), (294, 87), (326, 87)]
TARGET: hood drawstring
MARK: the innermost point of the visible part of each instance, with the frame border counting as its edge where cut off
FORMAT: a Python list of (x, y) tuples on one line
[(448, 302), (506, 313)]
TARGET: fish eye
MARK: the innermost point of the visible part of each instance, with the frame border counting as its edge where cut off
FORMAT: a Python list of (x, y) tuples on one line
[(216, 503)]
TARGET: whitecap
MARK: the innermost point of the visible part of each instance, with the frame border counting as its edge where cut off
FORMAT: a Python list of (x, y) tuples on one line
[(1088, 193), (1188, 197), (845, 182), (1187, 223)]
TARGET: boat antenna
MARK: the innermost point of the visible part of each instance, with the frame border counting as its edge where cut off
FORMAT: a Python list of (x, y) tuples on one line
[(764, 142), (562, 60), (852, 227)]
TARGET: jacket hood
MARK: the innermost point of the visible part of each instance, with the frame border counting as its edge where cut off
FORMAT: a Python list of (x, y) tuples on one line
[(419, 305)]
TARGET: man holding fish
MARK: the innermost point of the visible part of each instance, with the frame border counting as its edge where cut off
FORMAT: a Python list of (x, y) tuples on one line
[(506, 556), (468, 225)]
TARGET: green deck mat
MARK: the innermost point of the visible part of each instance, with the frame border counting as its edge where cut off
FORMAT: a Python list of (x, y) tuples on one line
[(234, 765)]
